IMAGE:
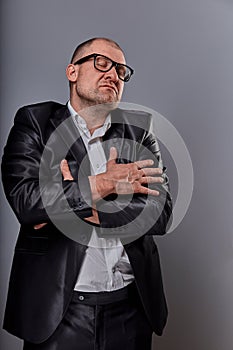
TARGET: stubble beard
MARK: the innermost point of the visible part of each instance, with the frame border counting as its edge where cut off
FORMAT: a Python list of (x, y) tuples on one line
[(109, 101)]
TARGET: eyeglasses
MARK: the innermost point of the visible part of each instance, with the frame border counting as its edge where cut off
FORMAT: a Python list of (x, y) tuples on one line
[(105, 64)]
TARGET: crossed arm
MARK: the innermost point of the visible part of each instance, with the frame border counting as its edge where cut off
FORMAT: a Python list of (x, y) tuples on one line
[(20, 173), (118, 179)]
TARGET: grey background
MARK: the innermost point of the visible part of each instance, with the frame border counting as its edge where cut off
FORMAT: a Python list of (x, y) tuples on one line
[(182, 52)]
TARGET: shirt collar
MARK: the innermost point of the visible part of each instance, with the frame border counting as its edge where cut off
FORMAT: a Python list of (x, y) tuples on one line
[(81, 123)]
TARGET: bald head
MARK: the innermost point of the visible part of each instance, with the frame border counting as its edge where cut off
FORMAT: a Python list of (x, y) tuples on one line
[(82, 48)]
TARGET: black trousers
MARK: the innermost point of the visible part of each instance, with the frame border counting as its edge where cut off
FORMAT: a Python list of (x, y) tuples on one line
[(101, 321)]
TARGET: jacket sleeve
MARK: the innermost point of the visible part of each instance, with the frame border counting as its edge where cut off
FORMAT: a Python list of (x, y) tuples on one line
[(140, 214), (25, 185)]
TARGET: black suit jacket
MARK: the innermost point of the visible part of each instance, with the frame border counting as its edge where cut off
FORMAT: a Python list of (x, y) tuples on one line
[(46, 262)]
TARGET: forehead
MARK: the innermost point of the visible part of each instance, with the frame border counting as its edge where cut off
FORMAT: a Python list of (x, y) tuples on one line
[(107, 49)]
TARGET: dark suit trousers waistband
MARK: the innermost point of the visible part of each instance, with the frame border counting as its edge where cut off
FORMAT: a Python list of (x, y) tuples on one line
[(103, 298)]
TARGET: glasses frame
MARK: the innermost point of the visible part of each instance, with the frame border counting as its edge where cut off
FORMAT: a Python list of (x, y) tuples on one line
[(114, 64)]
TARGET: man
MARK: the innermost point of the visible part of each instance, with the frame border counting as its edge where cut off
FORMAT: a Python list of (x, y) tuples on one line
[(87, 185)]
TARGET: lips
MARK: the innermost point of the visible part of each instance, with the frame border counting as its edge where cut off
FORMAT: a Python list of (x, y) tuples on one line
[(110, 87)]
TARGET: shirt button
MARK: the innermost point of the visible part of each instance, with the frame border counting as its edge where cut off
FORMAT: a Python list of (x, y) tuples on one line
[(81, 297), (97, 166)]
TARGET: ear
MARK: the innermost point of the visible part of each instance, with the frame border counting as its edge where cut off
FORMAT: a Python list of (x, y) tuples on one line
[(72, 73)]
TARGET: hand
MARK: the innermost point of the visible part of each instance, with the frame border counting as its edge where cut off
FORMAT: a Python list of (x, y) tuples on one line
[(37, 227), (67, 176), (125, 178), (65, 170)]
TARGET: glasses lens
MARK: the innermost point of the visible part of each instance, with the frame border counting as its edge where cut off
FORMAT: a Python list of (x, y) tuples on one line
[(103, 63), (123, 72)]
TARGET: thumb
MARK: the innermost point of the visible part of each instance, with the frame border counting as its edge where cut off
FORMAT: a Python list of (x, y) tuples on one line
[(65, 170), (112, 154)]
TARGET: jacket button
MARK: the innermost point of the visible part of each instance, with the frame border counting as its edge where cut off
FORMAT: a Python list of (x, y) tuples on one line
[(81, 297)]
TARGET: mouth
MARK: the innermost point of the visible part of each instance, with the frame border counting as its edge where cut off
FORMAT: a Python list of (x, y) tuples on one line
[(109, 87)]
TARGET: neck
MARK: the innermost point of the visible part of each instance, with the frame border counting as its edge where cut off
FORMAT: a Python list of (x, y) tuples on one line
[(94, 115)]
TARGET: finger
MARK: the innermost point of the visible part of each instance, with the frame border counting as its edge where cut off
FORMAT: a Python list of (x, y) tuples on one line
[(37, 227), (145, 190), (153, 192), (65, 170), (94, 218), (151, 179), (112, 154), (144, 163), (151, 171)]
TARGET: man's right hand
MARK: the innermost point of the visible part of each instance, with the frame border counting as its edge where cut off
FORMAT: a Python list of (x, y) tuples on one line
[(125, 178)]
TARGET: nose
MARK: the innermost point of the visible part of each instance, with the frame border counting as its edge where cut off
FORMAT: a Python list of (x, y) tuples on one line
[(112, 74)]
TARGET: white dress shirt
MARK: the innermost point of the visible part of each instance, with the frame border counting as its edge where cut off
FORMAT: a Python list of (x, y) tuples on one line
[(106, 265)]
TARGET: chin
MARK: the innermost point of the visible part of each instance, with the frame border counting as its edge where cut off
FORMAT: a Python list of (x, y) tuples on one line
[(110, 98), (107, 105), (112, 105)]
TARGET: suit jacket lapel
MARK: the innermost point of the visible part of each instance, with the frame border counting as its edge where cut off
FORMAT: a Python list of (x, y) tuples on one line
[(65, 127), (114, 135)]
